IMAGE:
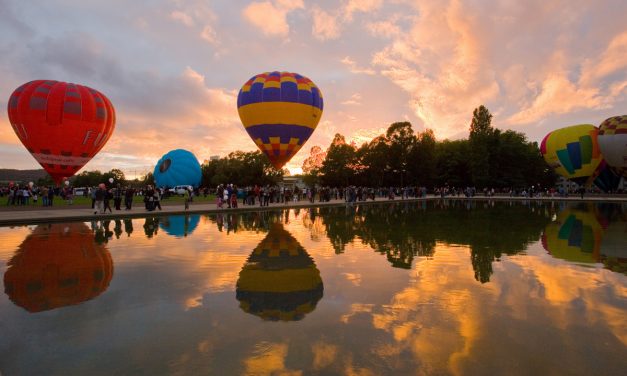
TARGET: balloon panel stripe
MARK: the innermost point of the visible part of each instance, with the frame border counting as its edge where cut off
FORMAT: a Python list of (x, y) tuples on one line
[(283, 131), (564, 160), (574, 152), (586, 148), (280, 113)]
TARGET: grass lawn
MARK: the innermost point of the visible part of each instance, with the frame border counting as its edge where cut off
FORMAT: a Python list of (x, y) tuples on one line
[(85, 202)]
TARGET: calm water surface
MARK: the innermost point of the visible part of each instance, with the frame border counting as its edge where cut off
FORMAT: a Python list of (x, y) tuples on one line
[(446, 288)]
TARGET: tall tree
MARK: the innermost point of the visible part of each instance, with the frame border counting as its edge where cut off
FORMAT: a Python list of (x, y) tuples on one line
[(481, 140), (423, 159), (401, 140), (375, 157), (335, 170), (313, 163)]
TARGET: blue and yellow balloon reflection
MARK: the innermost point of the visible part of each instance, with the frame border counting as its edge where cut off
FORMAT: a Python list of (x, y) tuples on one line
[(280, 281)]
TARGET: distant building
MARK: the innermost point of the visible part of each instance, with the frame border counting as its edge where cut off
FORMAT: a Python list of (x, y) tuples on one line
[(292, 181)]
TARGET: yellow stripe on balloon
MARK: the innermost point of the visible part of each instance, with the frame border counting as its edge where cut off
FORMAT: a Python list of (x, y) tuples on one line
[(275, 84), (259, 79), (305, 87), (279, 281), (288, 79), (280, 113)]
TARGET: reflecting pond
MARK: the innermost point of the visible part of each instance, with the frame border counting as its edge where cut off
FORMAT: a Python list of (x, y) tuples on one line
[(447, 287)]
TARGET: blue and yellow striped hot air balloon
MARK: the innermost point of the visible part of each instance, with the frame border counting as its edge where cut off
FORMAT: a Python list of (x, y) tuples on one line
[(280, 111), (573, 152)]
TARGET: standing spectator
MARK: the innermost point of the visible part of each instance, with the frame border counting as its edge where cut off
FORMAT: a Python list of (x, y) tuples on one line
[(92, 193), (107, 200), (44, 196), (69, 195), (234, 197), (50, 195), (117, 197), (99, 196), (157, 198), (128, 197)]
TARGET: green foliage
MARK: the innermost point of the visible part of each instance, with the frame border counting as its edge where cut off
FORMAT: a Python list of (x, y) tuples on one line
[(242, 169), (483, 140), (148, 179), (452, 165), (488, 158), (337, 168), (93, 178), (374, 156)]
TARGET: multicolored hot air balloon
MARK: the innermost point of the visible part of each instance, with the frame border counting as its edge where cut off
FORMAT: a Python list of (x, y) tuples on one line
[(58, 265), (280, 280), (280, 111), (613, 143), (573, 152), (605, 178), (177, 167), (63, 125)]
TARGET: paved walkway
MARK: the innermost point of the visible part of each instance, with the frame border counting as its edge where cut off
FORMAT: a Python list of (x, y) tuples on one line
[(67, 213)]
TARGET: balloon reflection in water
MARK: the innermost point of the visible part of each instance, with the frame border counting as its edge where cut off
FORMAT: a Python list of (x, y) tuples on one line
[(614, 245), (57, 265), (180, 225), (574, 236), (280, 280)]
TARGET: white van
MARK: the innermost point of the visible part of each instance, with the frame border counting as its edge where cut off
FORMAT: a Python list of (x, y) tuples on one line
[(181, 190), (81, 191)]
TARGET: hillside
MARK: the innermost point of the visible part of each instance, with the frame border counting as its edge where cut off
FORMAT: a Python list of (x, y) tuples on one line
[(7, 174)]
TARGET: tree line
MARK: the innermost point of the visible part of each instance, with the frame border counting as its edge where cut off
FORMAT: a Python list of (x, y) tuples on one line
[(488, 158)]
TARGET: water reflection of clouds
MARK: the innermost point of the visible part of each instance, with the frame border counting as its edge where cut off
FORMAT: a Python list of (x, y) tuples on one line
[(373, 317)]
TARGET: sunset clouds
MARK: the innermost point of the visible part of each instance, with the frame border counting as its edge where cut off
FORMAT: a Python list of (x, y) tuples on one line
[(173, 68)]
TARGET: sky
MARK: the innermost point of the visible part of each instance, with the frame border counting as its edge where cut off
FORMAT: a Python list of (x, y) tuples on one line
[(173, 68)]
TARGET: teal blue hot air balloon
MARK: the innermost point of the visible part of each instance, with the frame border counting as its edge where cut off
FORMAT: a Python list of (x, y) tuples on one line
[(177, 167)]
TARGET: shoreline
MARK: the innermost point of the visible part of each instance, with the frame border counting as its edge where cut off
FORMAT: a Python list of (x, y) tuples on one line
[(73, 214)]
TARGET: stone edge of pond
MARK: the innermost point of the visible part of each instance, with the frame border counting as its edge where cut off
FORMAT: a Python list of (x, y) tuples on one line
[(48, 216)]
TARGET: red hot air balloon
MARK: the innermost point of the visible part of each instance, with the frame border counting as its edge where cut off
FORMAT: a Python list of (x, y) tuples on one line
[(63, 125)]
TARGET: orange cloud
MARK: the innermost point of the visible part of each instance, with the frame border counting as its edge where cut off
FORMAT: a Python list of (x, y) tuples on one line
[(271, 17)]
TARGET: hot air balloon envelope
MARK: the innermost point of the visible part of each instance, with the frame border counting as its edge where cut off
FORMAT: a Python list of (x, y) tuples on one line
[(177, 167), (573, 151), (613, 143), (63, 125), (280, 111)]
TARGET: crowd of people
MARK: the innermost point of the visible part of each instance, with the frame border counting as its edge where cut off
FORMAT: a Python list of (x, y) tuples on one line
[(107, 198)]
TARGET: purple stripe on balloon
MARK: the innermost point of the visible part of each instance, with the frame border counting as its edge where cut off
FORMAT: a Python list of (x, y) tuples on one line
[(283, 131)]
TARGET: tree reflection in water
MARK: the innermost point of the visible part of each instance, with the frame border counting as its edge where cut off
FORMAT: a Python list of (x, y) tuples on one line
[(403, 231)]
